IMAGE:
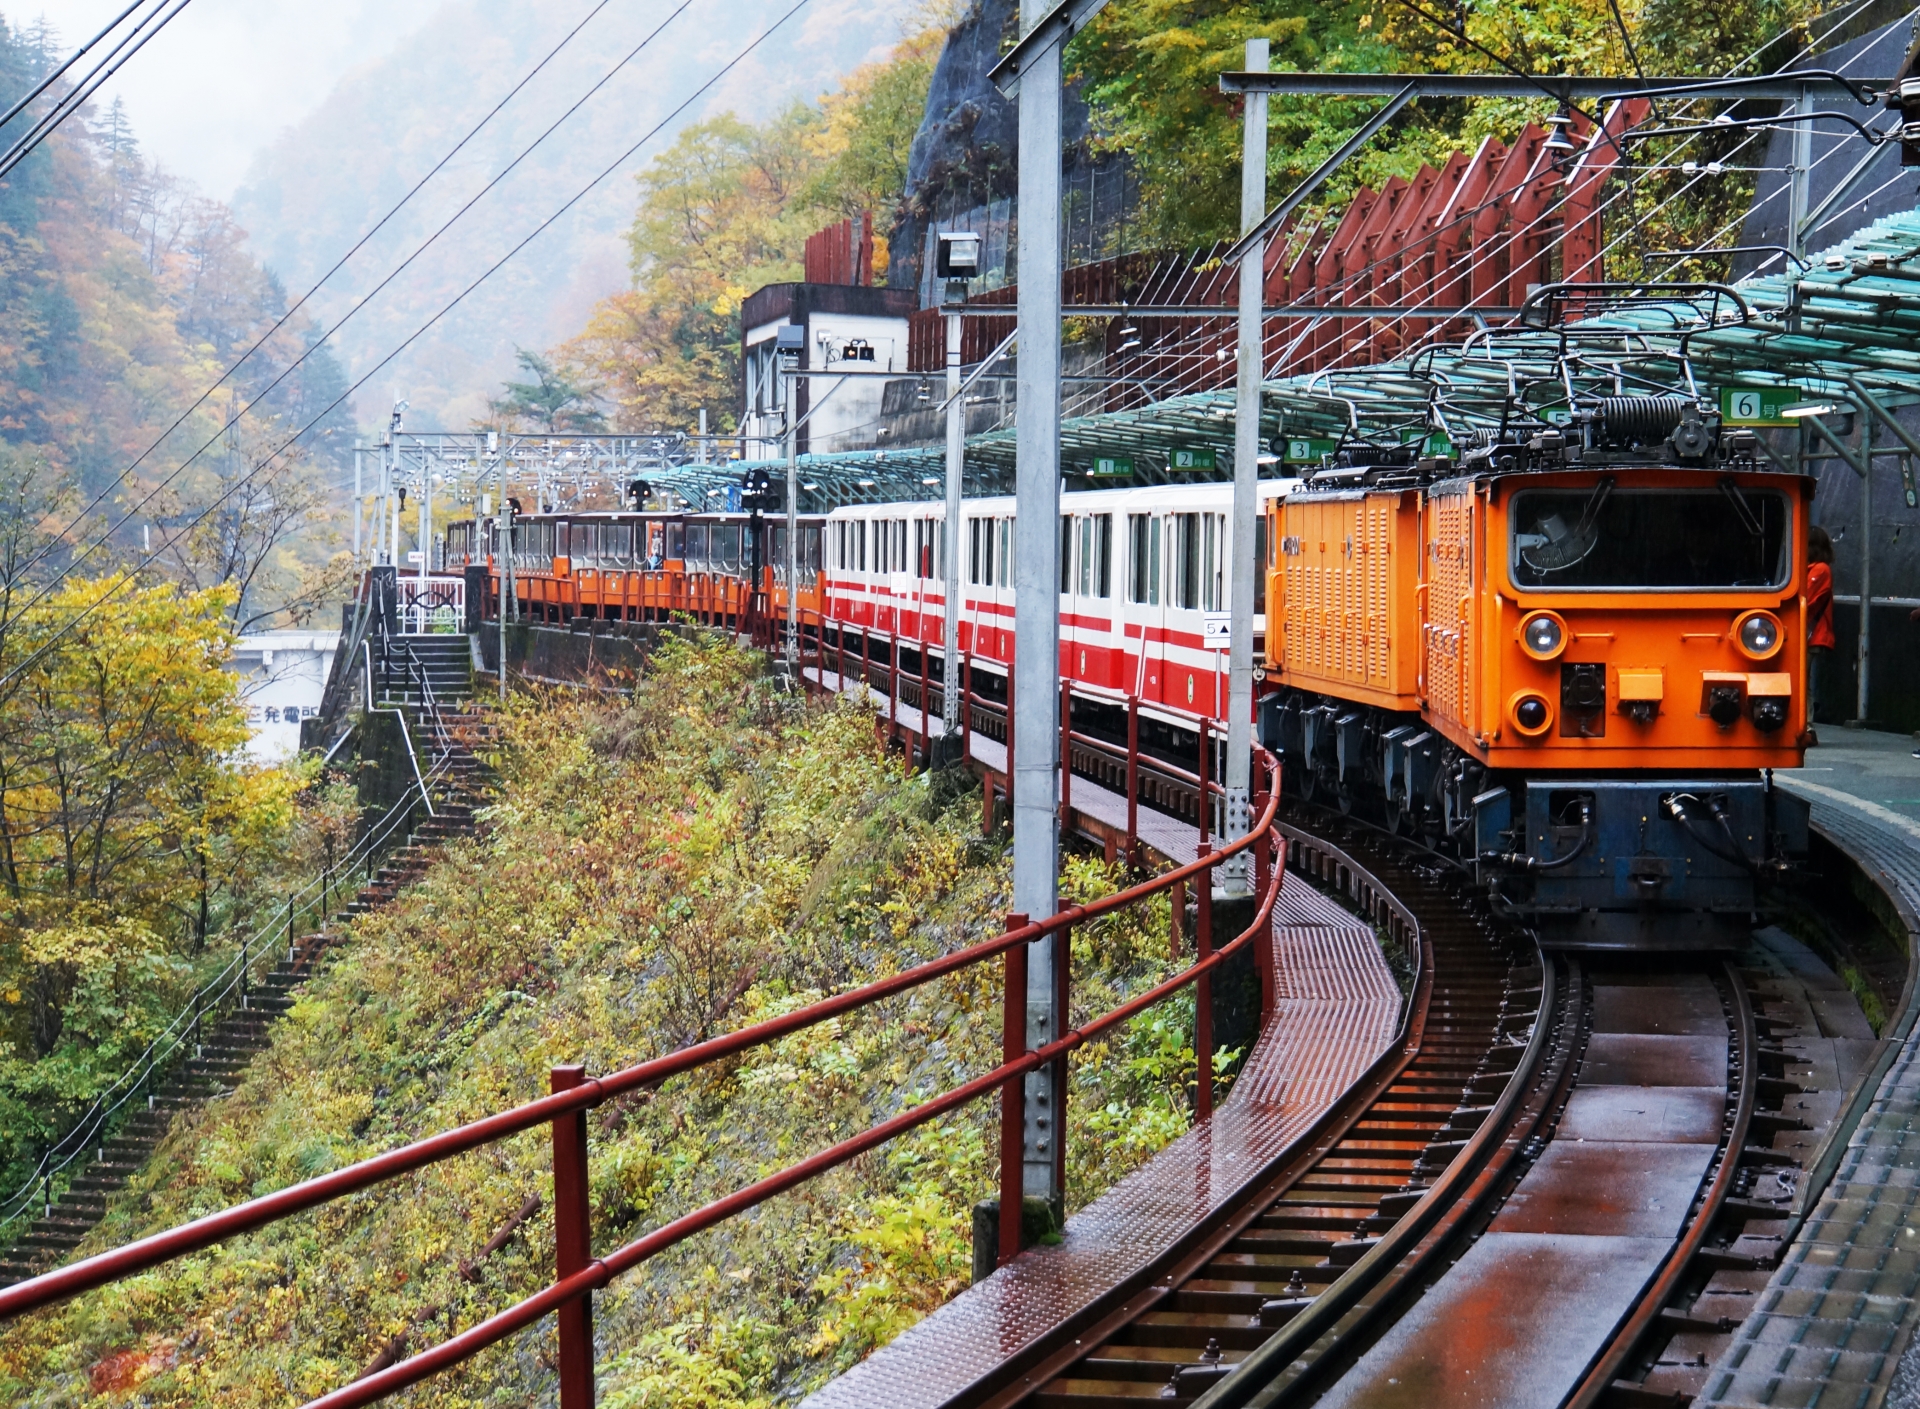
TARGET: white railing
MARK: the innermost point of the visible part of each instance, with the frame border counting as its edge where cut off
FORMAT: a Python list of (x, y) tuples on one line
[(432, 604)]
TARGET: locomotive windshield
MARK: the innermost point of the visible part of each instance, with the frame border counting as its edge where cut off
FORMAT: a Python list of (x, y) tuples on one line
[(1604, 538)]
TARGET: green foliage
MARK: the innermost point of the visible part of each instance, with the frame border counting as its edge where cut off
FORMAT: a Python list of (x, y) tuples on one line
[(1151, 79), (703, 856), (129, 824), (554, 401)]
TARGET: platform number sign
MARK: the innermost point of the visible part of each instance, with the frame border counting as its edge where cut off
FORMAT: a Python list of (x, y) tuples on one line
[(1307, 450), (1193, 459), (1756, 405), (1111, 467)]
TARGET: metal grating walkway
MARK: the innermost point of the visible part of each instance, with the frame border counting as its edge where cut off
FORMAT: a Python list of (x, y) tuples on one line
[(1833, 1324), (1338, 1009)]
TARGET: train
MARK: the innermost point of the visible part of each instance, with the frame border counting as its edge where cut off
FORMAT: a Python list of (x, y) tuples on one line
[(1568, 655)]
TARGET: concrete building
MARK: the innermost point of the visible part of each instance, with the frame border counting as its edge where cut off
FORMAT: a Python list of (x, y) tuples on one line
[(282, 676), (833, 320)]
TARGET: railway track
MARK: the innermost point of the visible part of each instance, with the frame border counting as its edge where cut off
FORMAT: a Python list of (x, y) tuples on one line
[(1538, 1196)]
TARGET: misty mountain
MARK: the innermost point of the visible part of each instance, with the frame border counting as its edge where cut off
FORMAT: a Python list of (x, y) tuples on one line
[(316, 187)]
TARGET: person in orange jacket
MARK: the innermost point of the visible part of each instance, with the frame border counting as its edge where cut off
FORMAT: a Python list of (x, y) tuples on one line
[(1819, 594)]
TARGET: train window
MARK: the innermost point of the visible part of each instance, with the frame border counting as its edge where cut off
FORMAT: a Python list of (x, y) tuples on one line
[(1101, 540), (900, 545), (1066, 554), (1143, 559), (1657, 540), (1183, 548), (677, 540), (726, 544), (697, 544), (1213, 555), (1006, 552), (974, 539), (1260, 557)]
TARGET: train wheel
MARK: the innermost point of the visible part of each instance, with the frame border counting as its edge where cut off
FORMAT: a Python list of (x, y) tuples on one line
[(1397, 816)]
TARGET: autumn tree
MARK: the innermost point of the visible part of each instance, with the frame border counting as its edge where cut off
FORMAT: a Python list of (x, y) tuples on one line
[(123, 798), (726, 210)]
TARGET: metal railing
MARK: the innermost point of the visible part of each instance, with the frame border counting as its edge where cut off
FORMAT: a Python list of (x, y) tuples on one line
[(578, 1273)]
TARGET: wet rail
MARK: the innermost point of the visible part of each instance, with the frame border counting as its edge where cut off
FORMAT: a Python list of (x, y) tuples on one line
[(1399, 1141), (1556, 1147)]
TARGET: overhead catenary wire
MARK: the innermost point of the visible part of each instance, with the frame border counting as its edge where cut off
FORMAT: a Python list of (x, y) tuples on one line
[(361, 303), (132, 574), (53, 76)]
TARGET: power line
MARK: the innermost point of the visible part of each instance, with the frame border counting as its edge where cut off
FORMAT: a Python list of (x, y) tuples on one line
[(71, 102), (338, 265), (131, 574)]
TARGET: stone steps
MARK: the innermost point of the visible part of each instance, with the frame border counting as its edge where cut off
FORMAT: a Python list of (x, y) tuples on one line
[(228, 1046)]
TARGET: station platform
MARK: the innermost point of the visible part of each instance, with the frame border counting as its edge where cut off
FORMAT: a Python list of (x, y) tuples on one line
[(1834, 1322)]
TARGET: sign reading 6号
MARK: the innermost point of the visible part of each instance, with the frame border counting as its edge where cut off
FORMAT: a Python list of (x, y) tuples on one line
[(1757, 405)]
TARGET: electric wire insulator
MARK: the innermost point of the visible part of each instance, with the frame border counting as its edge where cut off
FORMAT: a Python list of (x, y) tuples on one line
[(1641, 420)]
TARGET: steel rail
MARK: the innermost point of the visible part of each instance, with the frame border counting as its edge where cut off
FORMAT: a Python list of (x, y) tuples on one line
[(65, 1282), (1156, 1283), (1613, 1358), (1263, 1365)]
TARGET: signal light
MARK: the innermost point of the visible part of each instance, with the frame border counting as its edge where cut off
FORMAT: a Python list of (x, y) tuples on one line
[(1530, 714)]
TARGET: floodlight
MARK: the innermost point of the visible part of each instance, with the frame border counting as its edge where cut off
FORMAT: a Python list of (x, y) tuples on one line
[(959, 255)]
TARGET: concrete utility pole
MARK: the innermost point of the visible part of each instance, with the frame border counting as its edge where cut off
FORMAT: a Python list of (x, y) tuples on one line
[(1036, 571), (426, 521), (505, 550), (956, 466), (1246, 475)]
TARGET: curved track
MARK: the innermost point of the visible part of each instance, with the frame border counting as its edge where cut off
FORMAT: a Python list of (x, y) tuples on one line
[(1517, 1205)]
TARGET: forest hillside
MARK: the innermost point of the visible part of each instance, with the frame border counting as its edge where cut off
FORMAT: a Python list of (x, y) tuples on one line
[(317, 187), (659, 869)]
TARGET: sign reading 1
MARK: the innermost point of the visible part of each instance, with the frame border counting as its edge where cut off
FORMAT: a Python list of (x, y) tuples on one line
[(1111, 466), (1757, 405)]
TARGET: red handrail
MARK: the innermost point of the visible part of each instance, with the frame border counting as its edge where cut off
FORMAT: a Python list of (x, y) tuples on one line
[(202, 1233)]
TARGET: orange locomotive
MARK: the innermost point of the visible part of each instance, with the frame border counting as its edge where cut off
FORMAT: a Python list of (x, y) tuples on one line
[(1572, 656)]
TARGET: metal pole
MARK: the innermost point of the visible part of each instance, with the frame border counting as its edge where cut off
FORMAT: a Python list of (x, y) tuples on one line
[(1866, 563), (956, 464), (426, 526), (1035, 675), (1797, 179), (506, 573), (1232, 874), (793, 538), (572, 1242), (1013, 1100), (359, 503)]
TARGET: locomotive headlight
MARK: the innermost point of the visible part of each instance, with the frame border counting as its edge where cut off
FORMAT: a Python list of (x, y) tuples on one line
[(1543, 635), (1758, 634)]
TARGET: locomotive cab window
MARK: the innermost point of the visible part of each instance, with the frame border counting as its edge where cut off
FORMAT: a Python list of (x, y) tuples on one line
[(1727, 538)]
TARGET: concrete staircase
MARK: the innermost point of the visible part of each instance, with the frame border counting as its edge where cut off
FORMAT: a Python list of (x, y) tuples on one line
[(228, 1045), (446, 661)]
